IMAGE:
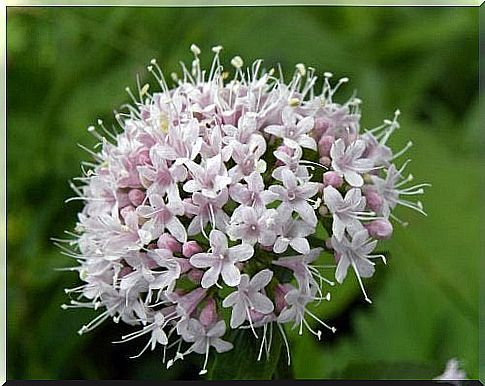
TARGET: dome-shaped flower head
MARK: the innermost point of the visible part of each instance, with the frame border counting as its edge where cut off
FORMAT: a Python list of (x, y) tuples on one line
[(213, 206)]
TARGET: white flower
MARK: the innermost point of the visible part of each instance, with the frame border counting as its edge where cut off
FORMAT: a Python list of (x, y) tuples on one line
[(356, 254), (293, 233), (203, 338), (248, 297), (347, 212), (251, 226), (161, 216), (294, 197), (348, 161), (294, 134), (221, 260)]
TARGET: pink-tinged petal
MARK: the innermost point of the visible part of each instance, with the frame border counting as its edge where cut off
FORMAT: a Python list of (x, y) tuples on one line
[(202, 260), (166, 151), (157, 201), (147, 173), (261, 303), (365, 268), (221, 345), (308, 190), (353, 196), (342, 267), (290, 142), (241, 252), (280, 245), (289, 179), (279, 191), (217, 330), (356, 149), (210, 277), (231, 299), (144, 211), (353, 178), (307, 142), (288, 117), (261, 279), (176, 229), (305, 125), (338, 228), (287, 315), (230, 274), (218, 241), (240, 193), (255, 182), (300, 245), (306, 212), (268, 197), (332, 198), (363, 164), (338, 149), (192, 186), (221, 182), (214, 164), (238, 315), (275, 130), (195, 226)]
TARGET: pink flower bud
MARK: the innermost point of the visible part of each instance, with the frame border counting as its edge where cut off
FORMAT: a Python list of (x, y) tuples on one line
[(208, 315), (136, 196), (380, 229), (280, 292), (374, 200), (144, 157), (284, 149), (195, 275), (267, 248), (325, 161), (122, 199), (127, 209), (325, 144), (167, 241), (321, 126), (184, 264), (190, 248), (332, 179)]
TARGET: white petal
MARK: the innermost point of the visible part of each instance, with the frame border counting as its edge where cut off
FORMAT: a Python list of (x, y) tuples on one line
[(230, 274), (210, 277), (261, 303), (261, 279), (300, 244)]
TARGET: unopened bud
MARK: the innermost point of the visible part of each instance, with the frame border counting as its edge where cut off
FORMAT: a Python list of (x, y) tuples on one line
[(380, 229), (332, 179), (190, 248), (167, 241)]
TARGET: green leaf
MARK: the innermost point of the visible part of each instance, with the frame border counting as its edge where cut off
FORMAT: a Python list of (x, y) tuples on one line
[(242, 361)]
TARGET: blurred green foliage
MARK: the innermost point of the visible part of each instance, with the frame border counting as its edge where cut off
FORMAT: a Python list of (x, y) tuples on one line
[(69, 66)]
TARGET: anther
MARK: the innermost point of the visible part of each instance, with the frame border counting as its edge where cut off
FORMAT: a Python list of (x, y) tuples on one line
[(195, 49), (237, 62), (301, 69)]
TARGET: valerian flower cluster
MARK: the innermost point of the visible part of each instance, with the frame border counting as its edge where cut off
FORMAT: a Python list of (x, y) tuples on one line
[(225, 194)]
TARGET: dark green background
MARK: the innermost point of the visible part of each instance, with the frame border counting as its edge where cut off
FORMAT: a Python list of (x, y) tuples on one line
[(69, 66)]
